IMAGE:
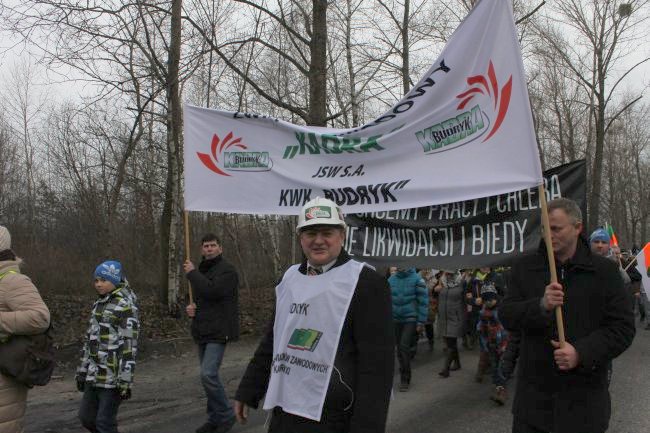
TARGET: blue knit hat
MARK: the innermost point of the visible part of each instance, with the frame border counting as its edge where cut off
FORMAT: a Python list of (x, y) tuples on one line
[(110, 270), (600, 234)]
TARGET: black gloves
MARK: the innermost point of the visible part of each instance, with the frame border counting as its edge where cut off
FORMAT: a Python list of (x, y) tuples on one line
[(125, 393)]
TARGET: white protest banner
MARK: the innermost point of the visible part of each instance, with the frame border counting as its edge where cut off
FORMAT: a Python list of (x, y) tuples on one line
[(464, 131)]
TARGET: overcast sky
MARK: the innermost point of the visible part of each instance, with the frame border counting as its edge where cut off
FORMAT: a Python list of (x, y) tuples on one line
[(61, 84)]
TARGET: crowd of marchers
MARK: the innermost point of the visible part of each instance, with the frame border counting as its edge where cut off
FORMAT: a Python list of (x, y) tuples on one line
[(342, 315), (457, 306)]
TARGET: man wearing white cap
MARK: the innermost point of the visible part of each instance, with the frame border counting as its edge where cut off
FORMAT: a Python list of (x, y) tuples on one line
[(326, 361)]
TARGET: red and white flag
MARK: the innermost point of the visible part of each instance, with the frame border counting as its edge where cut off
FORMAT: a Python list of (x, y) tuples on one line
[(643, 266), (464, 131)]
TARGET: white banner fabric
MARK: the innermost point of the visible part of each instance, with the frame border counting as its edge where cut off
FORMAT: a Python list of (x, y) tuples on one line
[(643, 266), (464, 131)]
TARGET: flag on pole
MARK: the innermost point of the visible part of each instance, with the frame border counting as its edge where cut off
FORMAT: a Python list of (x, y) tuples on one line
[(612, 237), (463, 132), (643, 266)]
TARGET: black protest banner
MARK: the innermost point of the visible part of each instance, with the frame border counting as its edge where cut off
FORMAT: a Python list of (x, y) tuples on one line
[(489, 231)]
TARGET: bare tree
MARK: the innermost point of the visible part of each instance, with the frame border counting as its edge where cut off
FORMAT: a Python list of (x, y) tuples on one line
[(24, 105), (10, 182), (173, 198), (603, 33), (296, 32), (626, 188)]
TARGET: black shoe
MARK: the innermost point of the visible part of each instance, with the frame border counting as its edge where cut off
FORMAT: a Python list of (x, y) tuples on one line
[(226, 426), (448, 359), (403, 386), (208, 427)]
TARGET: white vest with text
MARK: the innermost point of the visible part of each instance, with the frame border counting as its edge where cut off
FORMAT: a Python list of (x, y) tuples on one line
[(309, 316)]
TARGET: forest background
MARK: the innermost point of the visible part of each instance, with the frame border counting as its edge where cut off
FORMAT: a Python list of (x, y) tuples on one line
[(91, 121)]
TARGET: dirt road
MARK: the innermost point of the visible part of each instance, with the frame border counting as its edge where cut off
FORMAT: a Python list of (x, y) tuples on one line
[(167, 386)]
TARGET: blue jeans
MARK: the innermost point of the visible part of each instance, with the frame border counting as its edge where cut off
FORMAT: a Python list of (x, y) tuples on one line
[(98, 411), (219, 409), (495, 361)]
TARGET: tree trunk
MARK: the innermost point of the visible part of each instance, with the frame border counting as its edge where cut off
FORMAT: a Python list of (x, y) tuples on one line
[(317, 67), (406, 77), (354, 100), (174, 176), (597, 171)]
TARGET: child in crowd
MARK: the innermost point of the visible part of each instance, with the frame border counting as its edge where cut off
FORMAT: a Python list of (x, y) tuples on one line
[(430, 280), (493, 340), (109, 350)]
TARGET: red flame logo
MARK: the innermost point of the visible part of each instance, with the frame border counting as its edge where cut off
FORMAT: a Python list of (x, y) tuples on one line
[(217, 147), (479, 84)]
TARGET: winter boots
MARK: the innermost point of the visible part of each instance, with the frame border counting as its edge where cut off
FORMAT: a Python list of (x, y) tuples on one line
[(405, 381), (455, 361), (452, 363), (449, 356), (500, 396)]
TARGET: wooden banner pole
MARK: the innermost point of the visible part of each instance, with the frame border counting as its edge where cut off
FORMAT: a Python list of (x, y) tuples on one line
[(630, 264), (186, 220), (551, 259)]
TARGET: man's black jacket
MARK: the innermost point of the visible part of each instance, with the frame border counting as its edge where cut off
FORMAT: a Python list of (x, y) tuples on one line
[(216, 296), (598, 322)]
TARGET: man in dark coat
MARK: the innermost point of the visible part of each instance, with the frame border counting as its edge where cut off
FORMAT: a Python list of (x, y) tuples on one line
[(563, 389), (357, 393), (215, 322)]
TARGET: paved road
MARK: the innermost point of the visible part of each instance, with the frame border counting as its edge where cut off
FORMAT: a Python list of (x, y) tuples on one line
[(454, 405)]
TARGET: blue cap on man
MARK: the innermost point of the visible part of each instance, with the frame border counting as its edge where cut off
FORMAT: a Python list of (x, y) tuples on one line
[(600, 234)]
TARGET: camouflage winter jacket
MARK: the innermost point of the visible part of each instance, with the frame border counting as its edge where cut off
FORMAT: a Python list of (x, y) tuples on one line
[(110, 347)]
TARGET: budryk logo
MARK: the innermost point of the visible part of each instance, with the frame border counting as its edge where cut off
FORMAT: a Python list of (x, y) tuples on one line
[(217, 147), (479, 85), (473, 122), (318, 212)]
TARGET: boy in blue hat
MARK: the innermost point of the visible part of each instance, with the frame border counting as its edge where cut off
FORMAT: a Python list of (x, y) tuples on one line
[(109, 350)]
